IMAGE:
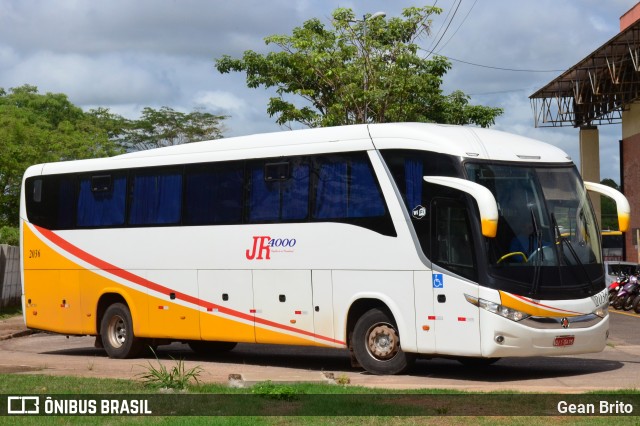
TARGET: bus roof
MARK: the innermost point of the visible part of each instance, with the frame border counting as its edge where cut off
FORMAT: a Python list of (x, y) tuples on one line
[(466, 141), (462, 141)]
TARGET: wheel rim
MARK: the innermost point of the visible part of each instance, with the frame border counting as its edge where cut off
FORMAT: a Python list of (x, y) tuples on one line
[(117, 331), (382, 341), (628, 303)]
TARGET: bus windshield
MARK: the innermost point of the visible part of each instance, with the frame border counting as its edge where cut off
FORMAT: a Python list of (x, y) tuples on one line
[(547, 234)]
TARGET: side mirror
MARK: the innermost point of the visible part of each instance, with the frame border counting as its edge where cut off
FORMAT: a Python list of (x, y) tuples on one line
[(486, 201), (624, 210)]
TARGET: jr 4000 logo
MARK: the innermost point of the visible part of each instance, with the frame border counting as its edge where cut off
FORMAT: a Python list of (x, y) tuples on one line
[(263, 245)]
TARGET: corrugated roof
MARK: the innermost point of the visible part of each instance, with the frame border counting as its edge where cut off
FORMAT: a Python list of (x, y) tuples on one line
[(596, 89)]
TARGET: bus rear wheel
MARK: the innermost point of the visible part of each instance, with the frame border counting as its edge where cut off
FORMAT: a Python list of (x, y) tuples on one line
[(116, 330), (376, 344)]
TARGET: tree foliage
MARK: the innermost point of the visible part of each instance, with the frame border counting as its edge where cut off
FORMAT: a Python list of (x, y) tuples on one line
[(357, 71), (36, 128), (166, 127)]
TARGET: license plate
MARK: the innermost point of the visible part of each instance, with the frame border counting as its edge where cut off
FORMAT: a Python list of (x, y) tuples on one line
[(564, 340)]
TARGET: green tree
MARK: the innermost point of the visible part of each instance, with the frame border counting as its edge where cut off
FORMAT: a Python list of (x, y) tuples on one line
[(36, 128), (166, 127), (113, 124), (357, 71)]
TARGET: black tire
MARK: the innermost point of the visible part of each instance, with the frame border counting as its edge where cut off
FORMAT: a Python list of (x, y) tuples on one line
[(476, 362), (636, 305), (612, 296), (376, 344), (116, 330), (627, 303), (205, 347), (617, 303)]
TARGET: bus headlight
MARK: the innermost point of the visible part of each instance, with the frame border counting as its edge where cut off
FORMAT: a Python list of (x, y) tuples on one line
[(602, 311), (496, 308)]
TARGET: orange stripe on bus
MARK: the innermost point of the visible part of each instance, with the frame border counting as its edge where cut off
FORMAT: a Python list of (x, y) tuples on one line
[(114, 270)]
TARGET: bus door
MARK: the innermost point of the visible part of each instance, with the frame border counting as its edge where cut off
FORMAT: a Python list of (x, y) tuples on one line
[(425, 318), (323, 306), (454, 274), (283, 306), (227, 314)]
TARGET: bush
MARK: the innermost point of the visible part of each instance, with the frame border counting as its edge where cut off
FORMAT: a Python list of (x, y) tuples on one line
[(272, 390), (9, 235), (176, 378)]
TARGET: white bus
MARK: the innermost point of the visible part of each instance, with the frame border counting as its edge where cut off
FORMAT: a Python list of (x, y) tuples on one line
[(391, 240)]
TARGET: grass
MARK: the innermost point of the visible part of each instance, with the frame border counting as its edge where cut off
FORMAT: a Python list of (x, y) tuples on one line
[(177, 377), (293, 404), (10, 311)]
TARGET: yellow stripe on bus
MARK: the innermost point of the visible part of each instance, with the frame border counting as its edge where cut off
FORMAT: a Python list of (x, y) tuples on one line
[(532, 308), (62, 296)]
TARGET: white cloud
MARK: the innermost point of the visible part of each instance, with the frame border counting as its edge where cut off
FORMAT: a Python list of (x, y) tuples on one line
[(182, 27), (127, 55), (104, 79), (218, 100)]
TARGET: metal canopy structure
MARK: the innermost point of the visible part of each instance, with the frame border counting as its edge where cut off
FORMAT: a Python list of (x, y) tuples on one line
[(597, 89)]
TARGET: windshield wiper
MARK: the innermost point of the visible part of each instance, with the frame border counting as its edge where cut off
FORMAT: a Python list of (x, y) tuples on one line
[(565, 242), (557, 239), (539, 253)]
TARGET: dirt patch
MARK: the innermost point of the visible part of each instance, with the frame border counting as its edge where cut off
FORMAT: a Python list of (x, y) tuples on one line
[(10, 369)]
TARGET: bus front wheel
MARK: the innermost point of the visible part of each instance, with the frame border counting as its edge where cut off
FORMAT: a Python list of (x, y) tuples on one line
[(376, 344), (116, 330)]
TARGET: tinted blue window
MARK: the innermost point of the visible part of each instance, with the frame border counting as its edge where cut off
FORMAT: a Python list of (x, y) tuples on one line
[(295, 194), (413, 182), (409, 168), (286, 199), (347, 188), (214, 196), (156, 199), (66, 202), (365, 199), (103, 207), (332, 190), (264, 201)]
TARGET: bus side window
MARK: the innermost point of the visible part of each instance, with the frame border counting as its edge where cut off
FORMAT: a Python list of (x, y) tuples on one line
[(37, 191), (52, 204), (101, 201), (279, 191), (156, 198), (213, 194), (346, 188), (452, 245)]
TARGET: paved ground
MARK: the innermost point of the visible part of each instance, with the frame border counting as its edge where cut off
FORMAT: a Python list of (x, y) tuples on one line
[(618, 367), (13, 328)]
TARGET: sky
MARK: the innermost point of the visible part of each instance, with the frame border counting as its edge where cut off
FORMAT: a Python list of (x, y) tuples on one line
[(126, 55)]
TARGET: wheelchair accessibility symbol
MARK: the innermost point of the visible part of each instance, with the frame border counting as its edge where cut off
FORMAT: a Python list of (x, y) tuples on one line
[(438, 281)]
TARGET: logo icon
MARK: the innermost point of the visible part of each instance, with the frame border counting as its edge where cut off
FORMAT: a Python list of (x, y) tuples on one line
[(438, 281), (564, 322), (419, 212), (264, 246), (261, 249), (23, 405)]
